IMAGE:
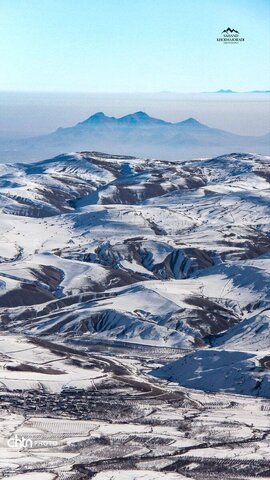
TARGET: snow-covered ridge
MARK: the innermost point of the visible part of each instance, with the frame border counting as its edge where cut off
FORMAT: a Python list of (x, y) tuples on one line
[(143, 251)]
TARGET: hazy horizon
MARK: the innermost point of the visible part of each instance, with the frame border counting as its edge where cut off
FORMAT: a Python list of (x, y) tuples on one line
[(51, 49), (35, 113)]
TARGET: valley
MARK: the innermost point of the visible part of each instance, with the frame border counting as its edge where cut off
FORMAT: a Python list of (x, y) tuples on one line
[(134, 318)]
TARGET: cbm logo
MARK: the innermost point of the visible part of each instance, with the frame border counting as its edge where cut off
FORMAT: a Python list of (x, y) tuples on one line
[(230, 35), (22, 442), (19, 442)]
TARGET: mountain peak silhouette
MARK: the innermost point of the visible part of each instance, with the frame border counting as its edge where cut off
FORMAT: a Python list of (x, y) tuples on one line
[(191, 122), (97, 118), (231, 30), (140, 118)]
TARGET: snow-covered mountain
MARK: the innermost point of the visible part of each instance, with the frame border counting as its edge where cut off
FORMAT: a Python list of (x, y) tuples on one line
[(144, 251), (138, 134)]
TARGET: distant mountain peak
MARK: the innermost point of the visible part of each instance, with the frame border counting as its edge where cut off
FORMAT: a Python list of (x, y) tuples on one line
[(191, 122), (137, 116), (140, 117), (98, 117), (140, 114), (222, 90)]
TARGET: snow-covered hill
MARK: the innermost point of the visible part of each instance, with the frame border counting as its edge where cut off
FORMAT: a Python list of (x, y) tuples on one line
[(143, 251)]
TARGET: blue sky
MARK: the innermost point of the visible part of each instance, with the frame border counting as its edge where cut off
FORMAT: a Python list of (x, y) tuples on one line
[(133, 45)]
